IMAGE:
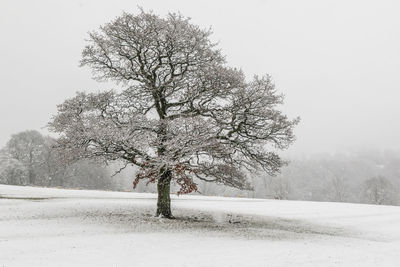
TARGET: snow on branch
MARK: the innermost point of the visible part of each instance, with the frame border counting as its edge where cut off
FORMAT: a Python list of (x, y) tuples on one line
[(180, 110)]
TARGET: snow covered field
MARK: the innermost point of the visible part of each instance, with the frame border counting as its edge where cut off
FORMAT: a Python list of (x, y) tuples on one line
[(56, 227)]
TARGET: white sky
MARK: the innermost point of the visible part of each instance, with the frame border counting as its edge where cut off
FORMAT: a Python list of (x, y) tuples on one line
[(337, 62)]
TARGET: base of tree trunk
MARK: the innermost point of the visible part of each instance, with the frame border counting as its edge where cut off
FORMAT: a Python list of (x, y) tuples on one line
[(171, 217), (164, 198)]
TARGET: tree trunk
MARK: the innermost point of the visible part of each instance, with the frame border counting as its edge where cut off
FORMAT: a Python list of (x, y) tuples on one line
[(164, 199), (31, 176)]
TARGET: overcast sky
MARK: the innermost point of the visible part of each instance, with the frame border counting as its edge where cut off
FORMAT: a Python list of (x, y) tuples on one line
[(337, 62)]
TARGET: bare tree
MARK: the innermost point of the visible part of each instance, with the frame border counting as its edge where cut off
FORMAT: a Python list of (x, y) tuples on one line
[(182, 113), (12, 171), (27, 147), (339, 189), (54, 169), (335, 185), (379, 190)]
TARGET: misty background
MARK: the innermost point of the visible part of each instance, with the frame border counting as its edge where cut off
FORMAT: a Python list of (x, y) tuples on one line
[(337, 62)]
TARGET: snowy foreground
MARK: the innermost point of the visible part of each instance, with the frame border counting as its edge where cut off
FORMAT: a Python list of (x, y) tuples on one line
[(56, 227)]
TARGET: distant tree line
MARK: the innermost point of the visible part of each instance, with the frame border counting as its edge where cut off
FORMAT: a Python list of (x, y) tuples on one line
[(371, 177), (29, 158), (360, 176)]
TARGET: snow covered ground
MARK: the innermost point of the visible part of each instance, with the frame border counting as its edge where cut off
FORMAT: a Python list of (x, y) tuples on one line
[(56, 227)]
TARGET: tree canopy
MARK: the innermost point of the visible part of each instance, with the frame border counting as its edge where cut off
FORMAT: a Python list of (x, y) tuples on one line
[(181, 112)]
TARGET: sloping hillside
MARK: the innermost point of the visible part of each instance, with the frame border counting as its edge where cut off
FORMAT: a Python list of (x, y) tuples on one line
[(56, 227)]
